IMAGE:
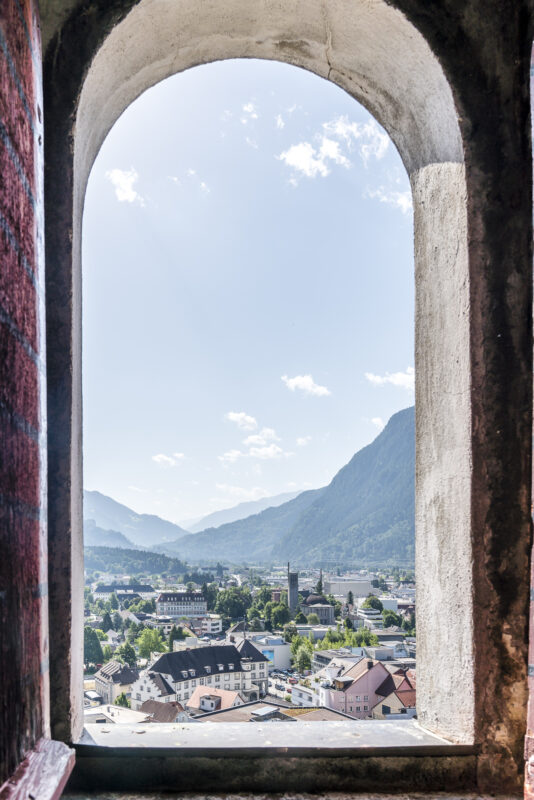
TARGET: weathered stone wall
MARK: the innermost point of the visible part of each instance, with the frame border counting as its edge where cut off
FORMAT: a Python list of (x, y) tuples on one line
[(23, 580)]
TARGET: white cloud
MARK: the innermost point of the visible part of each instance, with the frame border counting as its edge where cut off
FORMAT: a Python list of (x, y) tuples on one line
[(279, 122), (165, 461), (231, 456), (378, 422), (263, 437), (178, 456), (404, 380), (123, 182), (330, 149), (251, 143), (373, 141), (304, 158), (137, 489), (306, 384), (302, 441), (249, 112), (240, 493), (400, 200), (204, 187), (268, 452), (242, 420)]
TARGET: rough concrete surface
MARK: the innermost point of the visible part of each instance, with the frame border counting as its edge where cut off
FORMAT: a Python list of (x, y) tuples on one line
[(329, 796)]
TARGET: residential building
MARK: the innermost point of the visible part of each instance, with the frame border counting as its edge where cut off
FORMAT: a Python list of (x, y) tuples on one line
[(143, 591), (322, 658), (397, 697), (113, 715), (113, 679), (341, 586), (205, 699), (275, 649), (218, 666), (324, 611), (151, 686), (353, 690), (259, 663), (181, 604), (371, 617), (273, 712), (164, 712)]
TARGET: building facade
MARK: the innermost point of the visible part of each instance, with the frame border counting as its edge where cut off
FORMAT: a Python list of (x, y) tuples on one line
[(181, 604)]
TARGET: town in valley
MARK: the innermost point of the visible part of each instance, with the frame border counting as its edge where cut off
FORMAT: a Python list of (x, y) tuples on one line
[(234, 643)]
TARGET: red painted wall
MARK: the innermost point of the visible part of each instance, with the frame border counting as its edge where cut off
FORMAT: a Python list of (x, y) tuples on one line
[(23, 589)]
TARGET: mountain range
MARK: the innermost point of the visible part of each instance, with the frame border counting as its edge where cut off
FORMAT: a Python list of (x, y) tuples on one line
[(365, 514), (240, 511), (110, 517)]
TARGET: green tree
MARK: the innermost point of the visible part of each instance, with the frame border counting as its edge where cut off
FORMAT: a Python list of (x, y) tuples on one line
[(255, 625), (390, 618), (233, 602), (122, 700), (210, 592), (280, 615), (106, 622), (92, 649), (107, 653), (313, 619), (253, 613), (114, 601), (149, 642), (319, 585), (117, 621), (102, 637), (350, 599), (302, 659), (372, 602), (300, 619), (348, 624), (290, 632), (127, 654), (176, 635), (263, 596)]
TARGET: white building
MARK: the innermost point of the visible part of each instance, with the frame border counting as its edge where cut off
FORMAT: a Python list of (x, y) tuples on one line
[(113, 679), (219, 666), (181, 604), (340, 587), (275, 649), (211, 624)]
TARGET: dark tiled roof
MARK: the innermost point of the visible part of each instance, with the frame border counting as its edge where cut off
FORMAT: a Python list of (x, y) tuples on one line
[(125, 587), (179, 597), (161, 712), (198, 659), (248, 650), (116, 672), (160, 683)]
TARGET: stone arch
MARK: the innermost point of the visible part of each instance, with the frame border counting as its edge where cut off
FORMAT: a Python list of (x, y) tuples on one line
[(371, 50)]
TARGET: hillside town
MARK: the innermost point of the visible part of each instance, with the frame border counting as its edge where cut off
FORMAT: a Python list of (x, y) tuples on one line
[(249, 644)]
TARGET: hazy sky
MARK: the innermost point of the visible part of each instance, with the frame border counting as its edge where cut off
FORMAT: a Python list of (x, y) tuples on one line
[(248, 290)]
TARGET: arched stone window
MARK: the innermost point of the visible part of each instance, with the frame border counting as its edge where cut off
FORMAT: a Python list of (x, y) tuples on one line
[(473, 349)]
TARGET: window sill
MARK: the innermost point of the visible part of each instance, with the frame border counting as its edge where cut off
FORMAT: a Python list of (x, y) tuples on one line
[(282, 757), (227, 739)]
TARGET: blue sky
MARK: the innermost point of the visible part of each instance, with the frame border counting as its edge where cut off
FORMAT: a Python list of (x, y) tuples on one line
[(248, 290)]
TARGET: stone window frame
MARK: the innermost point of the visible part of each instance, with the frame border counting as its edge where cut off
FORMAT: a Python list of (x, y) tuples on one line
[(465, 475)]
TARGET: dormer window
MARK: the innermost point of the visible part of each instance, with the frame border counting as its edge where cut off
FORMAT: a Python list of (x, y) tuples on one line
[(230, 667), (208, 669), (192, 673), (221, 667)]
